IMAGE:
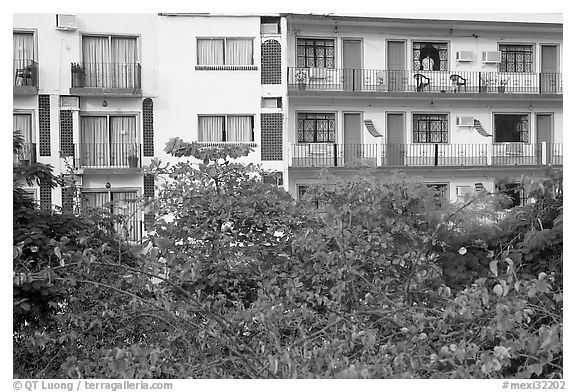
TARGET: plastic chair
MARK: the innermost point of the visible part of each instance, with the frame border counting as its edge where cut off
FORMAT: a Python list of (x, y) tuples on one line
[(458, 81), (421, 82)]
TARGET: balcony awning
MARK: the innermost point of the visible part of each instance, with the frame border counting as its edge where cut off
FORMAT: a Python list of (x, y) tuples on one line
[(370, 127), (480, 129)]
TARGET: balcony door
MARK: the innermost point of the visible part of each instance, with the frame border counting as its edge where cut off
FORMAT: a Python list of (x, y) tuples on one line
[(396, 65), (107, 141), (544, 134), (110, 62), (352, 137), (352, 64), (549, 82), (24, 57), (395, 132)]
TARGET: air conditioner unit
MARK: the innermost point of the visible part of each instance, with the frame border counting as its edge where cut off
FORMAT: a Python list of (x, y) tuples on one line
[(69, 102), (491, 57), (465, 121), (465, 55), (66, 22), (269, 28)]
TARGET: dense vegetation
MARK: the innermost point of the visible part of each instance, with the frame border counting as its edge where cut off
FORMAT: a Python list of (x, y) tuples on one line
[(368, 277)]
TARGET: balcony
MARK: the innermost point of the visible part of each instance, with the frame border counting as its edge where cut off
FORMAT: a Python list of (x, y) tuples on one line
[(310, 155), (106, 79), (107, 155), (27, 155), (334, 80), (25, 74)]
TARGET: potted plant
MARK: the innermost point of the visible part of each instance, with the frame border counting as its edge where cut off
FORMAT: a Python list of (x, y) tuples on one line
[(133, 159), (502, 85), (302, 79)]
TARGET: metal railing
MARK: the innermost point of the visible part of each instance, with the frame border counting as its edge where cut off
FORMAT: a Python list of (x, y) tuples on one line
[(26, 155), (423, 154), (377, 80), (25, 72), (103, 155), (106, 75)]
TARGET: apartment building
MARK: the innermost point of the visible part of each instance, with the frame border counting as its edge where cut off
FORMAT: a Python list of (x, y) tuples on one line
[(458, 103), (462, 104)]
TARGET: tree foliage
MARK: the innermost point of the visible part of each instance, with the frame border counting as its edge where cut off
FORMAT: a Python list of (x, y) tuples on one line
[(367, 277)]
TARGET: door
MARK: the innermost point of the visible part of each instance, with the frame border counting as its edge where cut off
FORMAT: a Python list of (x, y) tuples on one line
[(352, 137), (549, 80), (396, 65), (544, 134), (352, 64), (395, 139)]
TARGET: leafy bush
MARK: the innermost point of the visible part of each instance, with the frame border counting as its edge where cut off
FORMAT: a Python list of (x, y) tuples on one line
[(362, 279)]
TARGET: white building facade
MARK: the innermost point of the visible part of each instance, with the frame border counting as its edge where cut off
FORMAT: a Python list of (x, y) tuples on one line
[(458, 103)]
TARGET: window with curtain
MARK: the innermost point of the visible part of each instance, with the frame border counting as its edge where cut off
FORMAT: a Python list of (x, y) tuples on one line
[(122, 203), (108, 140), (23, 122), (516, 58), (110, 62), (228, 128), (312, 52), (225, 51), (316, 127), (24, 46), (430, 128), (430, 56)]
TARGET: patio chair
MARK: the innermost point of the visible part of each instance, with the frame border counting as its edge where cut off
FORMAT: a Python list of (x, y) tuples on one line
[(457, 82), (422, 82)]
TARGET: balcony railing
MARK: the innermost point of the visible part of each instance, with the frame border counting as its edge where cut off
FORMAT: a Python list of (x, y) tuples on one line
[(424, 154), (117, 76), (25, 73), (26, 155), (384, 81), (107, 155)]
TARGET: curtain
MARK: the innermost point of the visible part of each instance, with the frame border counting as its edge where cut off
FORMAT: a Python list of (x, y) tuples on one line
[(23, 50), (239, 129), (124, 203), (95, 199), (23, 123), (96, 58), (210, 128), (239, 51), (123, 58), (210, 51), (122, 140), (94, 141)]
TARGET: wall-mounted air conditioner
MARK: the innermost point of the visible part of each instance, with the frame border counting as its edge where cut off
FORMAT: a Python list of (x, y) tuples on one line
[(491, 57), (465, 121), (269, 28), (66, 22), (69, 102), (464, 55)]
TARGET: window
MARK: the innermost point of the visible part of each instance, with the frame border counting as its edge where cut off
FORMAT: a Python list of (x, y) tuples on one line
[(440, 192), (226, 128), (516, 193), (430, 128), (430, 56), (225, 51), (315, 53), (110, 62), (24, 49), (316, 127), (108, 140), (511, 128), (516, 58), (463, 190), (122, 203), (272, 103), (23, 122)]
